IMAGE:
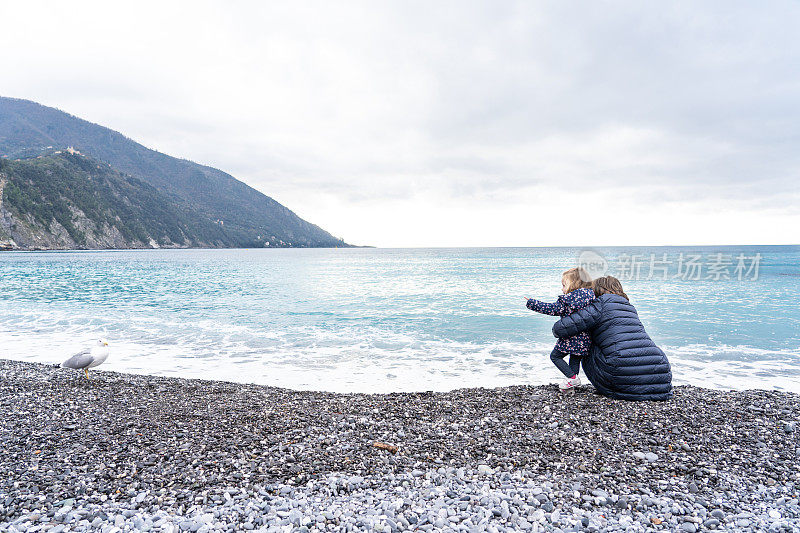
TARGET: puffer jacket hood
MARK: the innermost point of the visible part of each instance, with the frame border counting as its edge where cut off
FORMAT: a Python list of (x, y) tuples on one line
[(623, 362)]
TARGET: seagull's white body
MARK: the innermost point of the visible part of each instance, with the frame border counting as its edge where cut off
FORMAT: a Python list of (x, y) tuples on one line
[(88, 358)]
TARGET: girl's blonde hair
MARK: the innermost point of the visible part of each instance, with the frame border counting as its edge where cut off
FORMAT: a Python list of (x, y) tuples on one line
[(608, 284), (576, 278)]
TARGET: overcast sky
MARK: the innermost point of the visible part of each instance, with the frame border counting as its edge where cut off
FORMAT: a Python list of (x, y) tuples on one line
[(450, 123)]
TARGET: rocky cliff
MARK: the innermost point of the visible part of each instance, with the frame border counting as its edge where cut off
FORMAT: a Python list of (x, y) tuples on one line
[(69, 201)]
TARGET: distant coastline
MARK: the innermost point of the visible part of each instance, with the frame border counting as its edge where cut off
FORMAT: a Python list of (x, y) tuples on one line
[(4, 247), (7, 247)]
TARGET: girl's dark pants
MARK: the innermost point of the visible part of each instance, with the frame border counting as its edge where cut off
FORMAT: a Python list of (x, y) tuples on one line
[(570, 369)]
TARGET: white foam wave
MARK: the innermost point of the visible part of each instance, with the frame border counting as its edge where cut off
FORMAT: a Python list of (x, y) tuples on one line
[(737, 367), (346, 358)]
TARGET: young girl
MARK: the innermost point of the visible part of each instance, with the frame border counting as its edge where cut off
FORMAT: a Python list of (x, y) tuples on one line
[(577, 295)]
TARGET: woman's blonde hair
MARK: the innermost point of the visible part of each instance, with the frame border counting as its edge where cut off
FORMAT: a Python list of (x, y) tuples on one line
[(608, 284), (576, 278)]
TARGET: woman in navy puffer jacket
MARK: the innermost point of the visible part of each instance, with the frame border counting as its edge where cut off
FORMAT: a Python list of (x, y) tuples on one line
[(623, 362)]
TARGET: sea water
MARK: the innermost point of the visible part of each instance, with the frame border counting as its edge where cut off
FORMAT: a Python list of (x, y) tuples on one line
[(380, 320)]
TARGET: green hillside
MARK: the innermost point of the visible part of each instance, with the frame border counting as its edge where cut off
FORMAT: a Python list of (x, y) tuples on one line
[(28, 129), (67, 200)]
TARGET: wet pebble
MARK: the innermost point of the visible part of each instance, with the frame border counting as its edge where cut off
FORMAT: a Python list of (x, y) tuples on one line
[(201, 456)]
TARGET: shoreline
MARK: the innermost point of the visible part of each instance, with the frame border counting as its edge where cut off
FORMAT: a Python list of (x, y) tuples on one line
[(551, 383), (167, 454), (8, 248), (375, 247)]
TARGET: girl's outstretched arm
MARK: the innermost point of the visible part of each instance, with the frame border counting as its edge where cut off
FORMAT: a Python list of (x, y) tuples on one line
[(554, 309)]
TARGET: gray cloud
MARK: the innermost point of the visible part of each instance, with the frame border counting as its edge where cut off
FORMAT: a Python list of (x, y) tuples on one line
[(360, 103)]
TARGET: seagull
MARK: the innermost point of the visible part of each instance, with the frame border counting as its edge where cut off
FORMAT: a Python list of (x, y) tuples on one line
[(88, 358)]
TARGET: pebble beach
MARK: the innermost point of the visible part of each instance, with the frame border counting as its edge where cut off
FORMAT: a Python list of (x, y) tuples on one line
[(123, 452)]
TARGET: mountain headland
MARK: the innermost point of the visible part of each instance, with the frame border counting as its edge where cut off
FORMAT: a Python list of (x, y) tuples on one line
[(66, 183)]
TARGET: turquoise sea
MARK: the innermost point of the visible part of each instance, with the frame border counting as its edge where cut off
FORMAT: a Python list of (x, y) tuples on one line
[(394, 319)]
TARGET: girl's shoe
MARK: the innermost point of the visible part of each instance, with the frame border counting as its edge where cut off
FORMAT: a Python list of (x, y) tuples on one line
[(570, 383)]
